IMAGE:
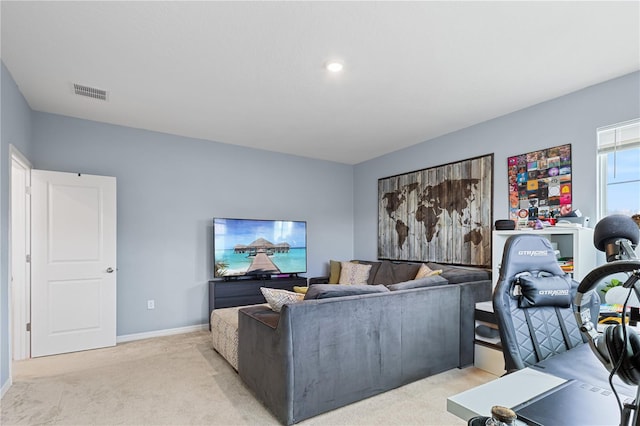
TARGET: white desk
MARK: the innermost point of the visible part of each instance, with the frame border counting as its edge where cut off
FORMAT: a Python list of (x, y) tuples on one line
[(578, 364), (507, 391)]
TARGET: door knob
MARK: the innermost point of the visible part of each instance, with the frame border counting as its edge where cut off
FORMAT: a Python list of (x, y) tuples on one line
[(109, 270)]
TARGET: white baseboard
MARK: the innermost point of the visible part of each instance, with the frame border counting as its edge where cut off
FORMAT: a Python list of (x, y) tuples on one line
[(5, 387), (160, 333)]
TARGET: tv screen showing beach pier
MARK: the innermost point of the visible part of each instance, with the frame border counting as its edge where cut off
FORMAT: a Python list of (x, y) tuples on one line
[(259, 247)]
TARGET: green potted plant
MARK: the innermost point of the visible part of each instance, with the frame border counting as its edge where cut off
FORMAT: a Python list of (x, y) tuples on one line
[(611, 284)]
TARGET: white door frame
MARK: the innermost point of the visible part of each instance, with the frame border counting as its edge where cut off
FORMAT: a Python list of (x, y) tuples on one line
[(19, 250)]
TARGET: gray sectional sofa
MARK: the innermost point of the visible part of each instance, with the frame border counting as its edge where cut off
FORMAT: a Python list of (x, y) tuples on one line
[(321, 354)]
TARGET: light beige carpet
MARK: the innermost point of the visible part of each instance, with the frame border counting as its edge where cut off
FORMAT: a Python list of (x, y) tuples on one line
[(181, 380)]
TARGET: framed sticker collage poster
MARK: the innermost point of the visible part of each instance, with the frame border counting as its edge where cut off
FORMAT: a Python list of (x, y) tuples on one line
[(540, 184)]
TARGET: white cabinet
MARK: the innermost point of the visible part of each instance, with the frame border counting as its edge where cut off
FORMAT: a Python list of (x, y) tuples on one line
[(573, 243)]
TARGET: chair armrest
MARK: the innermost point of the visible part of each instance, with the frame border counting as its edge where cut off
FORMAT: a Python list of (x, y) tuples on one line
[(318, 280)]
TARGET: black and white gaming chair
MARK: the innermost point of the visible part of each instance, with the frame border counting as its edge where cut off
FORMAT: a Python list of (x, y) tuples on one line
[(533, 303)]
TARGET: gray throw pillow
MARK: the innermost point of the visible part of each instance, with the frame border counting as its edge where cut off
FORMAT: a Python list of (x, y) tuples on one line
[(395, 272), (324, 291), (432, 281)]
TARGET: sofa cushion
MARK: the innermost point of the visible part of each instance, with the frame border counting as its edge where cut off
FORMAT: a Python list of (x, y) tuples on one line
[(461, 274), (425, 271), (325, 291), (353, 273), (430, 281), (392, 273), (276, 297), (224, 333)]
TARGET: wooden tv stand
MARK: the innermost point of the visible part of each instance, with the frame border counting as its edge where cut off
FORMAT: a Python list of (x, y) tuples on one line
[(241, 292)]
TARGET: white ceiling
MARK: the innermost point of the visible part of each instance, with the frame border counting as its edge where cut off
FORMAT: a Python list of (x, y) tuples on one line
[(251, 73)]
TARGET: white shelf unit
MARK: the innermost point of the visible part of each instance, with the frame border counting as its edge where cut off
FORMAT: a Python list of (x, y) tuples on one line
[(487, 350), (576, 243)]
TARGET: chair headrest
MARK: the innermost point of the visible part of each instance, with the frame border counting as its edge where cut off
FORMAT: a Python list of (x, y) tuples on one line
[(546, 291), (528, 253)]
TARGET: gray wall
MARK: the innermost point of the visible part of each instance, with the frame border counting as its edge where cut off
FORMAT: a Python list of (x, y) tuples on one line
[(170, 188), (15, 119), (573, 119)]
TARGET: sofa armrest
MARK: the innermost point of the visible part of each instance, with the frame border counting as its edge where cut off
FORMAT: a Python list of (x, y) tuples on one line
[(318, 280), (263, 354), (470, 294)]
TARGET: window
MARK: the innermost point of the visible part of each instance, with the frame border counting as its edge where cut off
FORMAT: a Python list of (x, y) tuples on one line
[(619, 169)]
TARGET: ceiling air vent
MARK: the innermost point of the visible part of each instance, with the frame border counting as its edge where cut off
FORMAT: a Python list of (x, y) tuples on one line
[(90, 92)]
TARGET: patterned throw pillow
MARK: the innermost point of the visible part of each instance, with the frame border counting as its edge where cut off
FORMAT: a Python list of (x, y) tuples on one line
[(354, 273), (335, 267), (425, 271), (276, 298)]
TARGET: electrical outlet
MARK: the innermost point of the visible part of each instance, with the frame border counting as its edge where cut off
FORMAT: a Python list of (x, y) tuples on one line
[(151, 304)]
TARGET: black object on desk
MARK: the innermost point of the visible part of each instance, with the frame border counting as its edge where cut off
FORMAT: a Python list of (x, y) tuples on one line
[(565, 405), (587, 395)]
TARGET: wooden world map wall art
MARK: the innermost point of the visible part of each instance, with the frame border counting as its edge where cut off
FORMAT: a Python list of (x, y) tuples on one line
[(441, 214), (540, 184)]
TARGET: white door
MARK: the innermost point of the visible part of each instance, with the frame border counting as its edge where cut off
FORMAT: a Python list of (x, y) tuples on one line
[(20, 253), (73, 261)]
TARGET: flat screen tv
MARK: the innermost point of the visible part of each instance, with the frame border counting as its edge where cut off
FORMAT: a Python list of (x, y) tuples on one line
[(252, 247)]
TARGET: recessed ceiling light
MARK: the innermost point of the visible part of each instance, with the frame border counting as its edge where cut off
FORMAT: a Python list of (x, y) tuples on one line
[(335, 66)]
